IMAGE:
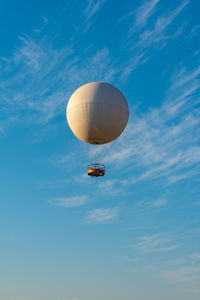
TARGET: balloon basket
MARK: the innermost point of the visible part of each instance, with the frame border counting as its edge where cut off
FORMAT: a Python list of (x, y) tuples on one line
[(96, 170)]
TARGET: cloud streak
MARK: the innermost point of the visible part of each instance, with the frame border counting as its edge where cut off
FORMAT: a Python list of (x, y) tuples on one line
[(69, 202), (40, 78), (181, 275), (92, 7), (144, 12), (155, 243), (144, 36), (159, 203), (101, 215), (163, 143)]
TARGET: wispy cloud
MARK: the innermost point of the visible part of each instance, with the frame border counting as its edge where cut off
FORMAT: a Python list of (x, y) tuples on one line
[(134, 62), (47, 76), (102, 215), (5, 123), (39, 78), (163, 143), (141, 14), (30, 54), (168, 263), (155, 243), (191, 259), (69, 202), (158, 34), (45, 22), (185, 269), (92, 7), (110, 186), (182, 274), (154, 35), (144, 12), (159, 203), (196, 255)]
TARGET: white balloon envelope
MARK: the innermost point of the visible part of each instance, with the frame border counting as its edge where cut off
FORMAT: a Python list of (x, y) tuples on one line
[(97, 113)]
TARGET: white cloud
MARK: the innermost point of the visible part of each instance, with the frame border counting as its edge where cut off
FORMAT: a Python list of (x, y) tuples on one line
[(159, 203), (48, 76), (141, 38), (102, 215), (158, 34), (141, 14), (182, 274), (92, 7), (134, 62), (145, 11), (155, 243), (196, 255), (29, 54), (163, 143), (192, 259), (110, 186), (5, 123), (185, 269), (69, 202)]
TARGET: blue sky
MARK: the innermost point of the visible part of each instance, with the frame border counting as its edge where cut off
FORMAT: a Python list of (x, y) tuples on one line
[(135, 233)]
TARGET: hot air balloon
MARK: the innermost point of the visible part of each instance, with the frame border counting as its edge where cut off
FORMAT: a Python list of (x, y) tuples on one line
[(97, 113)]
